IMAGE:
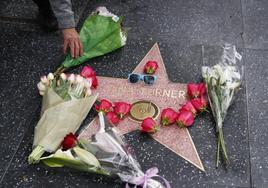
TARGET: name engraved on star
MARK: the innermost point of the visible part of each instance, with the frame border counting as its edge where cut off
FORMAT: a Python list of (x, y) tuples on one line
[(156, 92)]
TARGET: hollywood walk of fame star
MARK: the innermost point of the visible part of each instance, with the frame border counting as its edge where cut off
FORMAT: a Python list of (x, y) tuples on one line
[(163, 93)]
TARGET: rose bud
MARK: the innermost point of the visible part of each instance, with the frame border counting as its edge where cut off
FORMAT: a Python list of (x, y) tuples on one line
[(105, 106), (200, 104), (44, 80), (69, 141), (196, 90), (185, 119), (79, 79), (188, 107), (112, 117), (122, 109), (88, 92), (149, 125), (50, 76), (88, 71), (88, 83), (71, 78), (63, 76), (150, 67), (168, 116)]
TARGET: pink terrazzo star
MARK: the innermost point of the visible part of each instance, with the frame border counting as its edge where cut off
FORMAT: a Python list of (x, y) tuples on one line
[(163, 93)]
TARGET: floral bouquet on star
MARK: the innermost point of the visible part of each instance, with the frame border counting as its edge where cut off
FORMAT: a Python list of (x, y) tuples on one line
[(66, 102), (222, 81)]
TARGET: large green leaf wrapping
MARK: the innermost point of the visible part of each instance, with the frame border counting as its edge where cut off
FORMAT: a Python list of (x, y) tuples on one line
[(99, 35)]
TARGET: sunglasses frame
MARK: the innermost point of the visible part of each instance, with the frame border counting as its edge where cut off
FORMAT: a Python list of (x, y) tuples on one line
[(141, 77)]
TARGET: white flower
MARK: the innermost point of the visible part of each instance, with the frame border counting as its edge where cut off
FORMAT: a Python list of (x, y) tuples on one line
[(41, 86), (88, 83), (79, 79), (63, 76), (88, 92), (50, 76), (71, 78), (44, 80)]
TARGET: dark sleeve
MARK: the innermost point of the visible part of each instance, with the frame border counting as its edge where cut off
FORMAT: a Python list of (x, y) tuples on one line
[(63, 11)]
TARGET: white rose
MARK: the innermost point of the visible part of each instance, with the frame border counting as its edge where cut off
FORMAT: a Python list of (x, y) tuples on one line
[(71, 78), (50, 76), (63, 76), (44, 80), (88, 92), (88, 83), (79, 79)]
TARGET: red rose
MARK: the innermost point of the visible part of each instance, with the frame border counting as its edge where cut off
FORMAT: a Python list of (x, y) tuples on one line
[(69, 141), (122, 109), (196, 90), (88, 71), (200, 104), (188, 107), (105, 106), (185, 119), (149, 126), (150, 67), (112, 117), (168, 116)]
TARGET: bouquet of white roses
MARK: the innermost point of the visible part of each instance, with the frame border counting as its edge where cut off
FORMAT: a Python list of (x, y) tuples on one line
[(66, 102), (222, 82)]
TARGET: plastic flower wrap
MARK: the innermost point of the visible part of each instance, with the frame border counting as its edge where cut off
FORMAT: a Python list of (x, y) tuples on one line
[(101, 33), (106, 153), (222, 82), (66, 102)]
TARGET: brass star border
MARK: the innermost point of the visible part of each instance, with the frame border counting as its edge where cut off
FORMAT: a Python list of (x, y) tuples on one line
[(163, 93)]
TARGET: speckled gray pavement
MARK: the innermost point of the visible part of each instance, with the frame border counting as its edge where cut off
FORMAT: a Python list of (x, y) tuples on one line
[(180, 28)]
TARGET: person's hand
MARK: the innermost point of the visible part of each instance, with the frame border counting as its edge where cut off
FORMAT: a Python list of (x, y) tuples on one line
[(72, 41)]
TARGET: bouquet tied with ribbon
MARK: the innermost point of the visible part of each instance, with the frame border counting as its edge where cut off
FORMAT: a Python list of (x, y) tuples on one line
[(108, 154)]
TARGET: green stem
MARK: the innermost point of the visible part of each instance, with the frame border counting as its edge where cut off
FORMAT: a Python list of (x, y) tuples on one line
[(218, 153), (223, 147), (59, 70), (36, 154)]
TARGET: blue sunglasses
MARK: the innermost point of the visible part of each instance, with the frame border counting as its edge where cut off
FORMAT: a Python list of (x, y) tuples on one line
[(147, 79)]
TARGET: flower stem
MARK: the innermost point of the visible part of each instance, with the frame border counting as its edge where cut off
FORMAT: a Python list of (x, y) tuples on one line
[(59, 70), (223, 147), (218, 153), (36, 154)]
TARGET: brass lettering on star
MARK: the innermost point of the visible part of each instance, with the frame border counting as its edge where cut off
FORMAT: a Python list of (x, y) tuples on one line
[(157, 92)]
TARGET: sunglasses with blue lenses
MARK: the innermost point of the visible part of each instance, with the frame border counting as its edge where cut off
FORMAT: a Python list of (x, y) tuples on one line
[(147, 79)]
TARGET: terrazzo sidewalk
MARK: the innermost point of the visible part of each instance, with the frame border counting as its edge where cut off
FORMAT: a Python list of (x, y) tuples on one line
[(180, 28)]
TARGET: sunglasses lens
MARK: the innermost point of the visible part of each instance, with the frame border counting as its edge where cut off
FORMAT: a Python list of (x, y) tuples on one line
[(134, 78), (149, 79)]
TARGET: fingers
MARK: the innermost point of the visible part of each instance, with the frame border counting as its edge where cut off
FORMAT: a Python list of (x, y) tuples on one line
[(72, 48), (72, 41), (76, 50), (81, 51)]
